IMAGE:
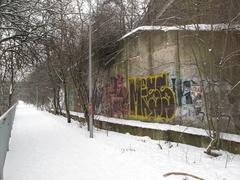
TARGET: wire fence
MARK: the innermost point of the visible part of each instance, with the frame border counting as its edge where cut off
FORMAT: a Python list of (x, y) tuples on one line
[(6, 122)]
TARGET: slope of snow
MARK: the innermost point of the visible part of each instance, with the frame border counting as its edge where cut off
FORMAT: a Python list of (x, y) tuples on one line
[(44, 147)]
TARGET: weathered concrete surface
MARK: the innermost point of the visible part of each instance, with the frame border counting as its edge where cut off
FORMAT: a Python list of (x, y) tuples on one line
[(178, 53)]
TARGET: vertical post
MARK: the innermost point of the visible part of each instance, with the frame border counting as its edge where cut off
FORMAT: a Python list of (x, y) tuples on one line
[(90, 71)]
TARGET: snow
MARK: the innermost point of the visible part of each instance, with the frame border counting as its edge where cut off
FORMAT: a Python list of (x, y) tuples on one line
[(45, 147), (190, 27), (160, 126)]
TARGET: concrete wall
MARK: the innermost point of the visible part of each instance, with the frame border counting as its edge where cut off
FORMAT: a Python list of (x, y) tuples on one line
[(155, 78)]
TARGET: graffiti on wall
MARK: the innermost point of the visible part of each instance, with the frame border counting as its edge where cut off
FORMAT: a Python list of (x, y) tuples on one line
[(197, 98), (150, 97), (116, 98), (188, 92), (154, 97)]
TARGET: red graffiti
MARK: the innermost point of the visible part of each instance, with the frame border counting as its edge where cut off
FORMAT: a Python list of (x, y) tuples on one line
[(116, 98)]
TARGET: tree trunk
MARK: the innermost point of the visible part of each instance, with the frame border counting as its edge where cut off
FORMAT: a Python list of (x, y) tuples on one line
[(66, 101), (9, 101), (86, 115), (55, 101), (58, 101), (11, 85)]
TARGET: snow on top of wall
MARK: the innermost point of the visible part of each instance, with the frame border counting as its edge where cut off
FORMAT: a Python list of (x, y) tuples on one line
[(190, 27), (160, 126)]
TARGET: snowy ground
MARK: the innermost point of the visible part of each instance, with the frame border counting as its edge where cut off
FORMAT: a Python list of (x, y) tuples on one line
[(44, 147)]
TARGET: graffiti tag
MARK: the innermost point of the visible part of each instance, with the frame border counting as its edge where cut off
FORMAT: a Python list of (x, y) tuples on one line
[(151, 98), (116, 98)]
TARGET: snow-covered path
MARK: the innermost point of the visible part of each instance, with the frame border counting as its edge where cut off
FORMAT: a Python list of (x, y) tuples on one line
[(44, 147)]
